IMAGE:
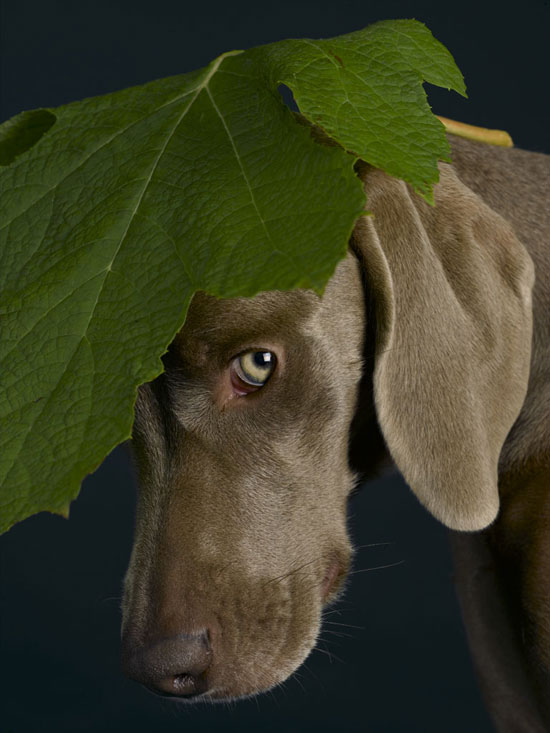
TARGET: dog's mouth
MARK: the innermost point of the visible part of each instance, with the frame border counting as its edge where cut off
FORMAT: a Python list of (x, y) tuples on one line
[(333, 576), (216, 659)]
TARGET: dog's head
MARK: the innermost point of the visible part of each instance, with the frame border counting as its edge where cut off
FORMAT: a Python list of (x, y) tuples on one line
[(243, 443)]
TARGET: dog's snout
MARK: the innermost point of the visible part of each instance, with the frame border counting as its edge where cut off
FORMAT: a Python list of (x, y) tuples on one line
[(176, 666)]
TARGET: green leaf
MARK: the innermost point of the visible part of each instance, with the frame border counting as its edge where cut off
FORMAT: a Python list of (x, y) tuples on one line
[(365, 90), (116, 209), (22, 132)]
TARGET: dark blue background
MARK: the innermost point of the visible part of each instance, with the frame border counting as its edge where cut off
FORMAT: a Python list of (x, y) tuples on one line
[(407, 668)]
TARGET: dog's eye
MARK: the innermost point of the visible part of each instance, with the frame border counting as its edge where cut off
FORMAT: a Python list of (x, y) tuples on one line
[(251, 370)]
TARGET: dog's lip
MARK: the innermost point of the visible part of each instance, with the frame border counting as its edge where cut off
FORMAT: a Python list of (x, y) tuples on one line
[(333, 572)]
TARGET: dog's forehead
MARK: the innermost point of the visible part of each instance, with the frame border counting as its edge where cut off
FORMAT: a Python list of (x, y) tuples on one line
[(267, 316)]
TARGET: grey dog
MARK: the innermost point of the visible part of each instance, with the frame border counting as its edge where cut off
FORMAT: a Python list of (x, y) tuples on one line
[(429, 351)]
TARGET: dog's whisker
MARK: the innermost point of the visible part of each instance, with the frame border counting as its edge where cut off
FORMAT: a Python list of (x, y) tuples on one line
[(311, 672), (111, 598), (297, 676), (343, 606), (224, 568), (373, 544), (330, 655), (291, 572), (377, 567), (338, 633)]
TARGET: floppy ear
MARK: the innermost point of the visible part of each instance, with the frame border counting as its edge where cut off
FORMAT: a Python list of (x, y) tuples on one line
[(452, 296)]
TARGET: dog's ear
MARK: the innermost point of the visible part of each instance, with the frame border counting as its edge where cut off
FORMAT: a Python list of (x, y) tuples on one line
[(452, 287)]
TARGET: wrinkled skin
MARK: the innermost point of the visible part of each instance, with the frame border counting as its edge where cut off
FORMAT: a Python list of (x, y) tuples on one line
[(241, 523)]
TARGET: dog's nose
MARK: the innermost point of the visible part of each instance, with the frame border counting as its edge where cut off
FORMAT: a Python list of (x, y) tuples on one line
[(176, 666)]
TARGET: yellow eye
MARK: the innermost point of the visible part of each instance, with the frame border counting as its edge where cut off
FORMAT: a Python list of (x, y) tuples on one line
[(253, 368)]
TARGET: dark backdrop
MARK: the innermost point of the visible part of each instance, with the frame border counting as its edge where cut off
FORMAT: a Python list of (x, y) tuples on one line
[(407, 667)]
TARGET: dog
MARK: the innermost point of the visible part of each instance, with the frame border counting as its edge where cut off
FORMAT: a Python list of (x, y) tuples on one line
[(429, 350)]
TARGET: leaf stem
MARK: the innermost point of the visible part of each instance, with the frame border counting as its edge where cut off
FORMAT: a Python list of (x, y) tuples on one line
[(482, 134)]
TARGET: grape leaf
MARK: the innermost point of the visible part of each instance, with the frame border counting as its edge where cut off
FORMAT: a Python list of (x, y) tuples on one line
[(116, 209)]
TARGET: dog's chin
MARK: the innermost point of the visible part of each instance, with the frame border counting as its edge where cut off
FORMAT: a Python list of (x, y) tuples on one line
[(227, 687), (245, 677)]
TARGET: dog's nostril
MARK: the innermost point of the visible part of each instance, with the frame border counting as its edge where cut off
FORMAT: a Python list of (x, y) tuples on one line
[(176, 666), (180, 685), (183, 682)]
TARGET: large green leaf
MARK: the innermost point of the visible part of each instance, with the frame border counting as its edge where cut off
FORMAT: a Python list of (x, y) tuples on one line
[(116, 209)]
